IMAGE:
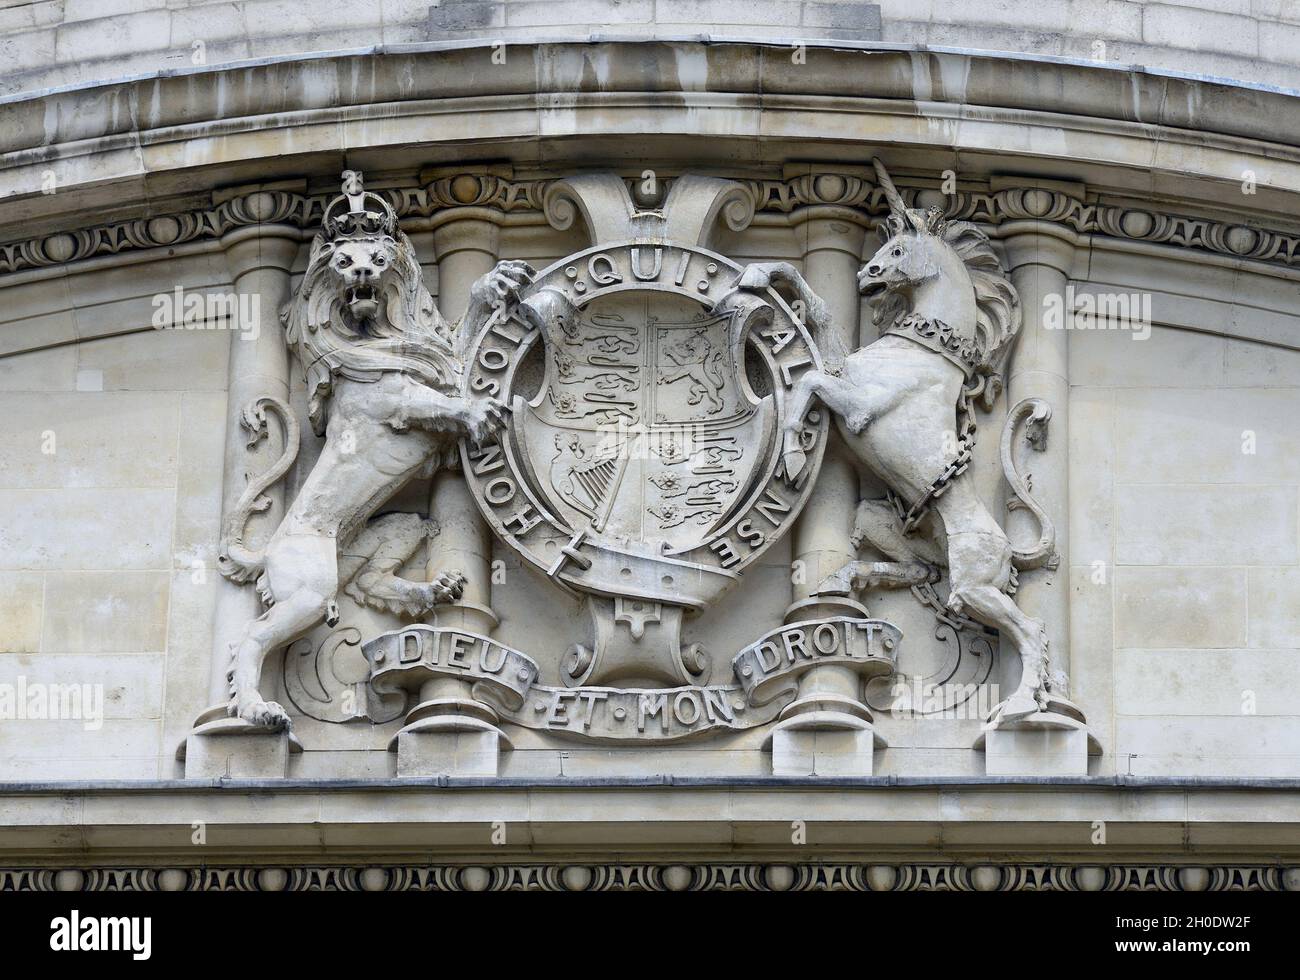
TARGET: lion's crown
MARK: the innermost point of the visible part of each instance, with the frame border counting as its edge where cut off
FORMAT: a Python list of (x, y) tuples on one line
[(357, 213)]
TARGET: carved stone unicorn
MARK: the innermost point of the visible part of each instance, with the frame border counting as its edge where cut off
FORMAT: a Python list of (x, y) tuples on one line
[(905, 406)]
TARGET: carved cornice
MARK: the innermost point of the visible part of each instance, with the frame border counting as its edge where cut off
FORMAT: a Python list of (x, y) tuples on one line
[(1040, 204), (852, 193), (709, 876), (1122, 222), (261, 207), (813, 190)]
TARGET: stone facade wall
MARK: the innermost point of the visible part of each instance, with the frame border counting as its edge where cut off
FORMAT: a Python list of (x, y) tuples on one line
[(1172, 468), (50, 43), (1184, 470), (110, 491)]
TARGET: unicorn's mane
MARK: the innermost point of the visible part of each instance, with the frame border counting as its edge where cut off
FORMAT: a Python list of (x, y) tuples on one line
[(997, 304)]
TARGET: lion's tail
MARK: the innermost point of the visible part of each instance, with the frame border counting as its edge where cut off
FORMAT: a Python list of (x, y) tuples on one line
[(713, 368), (236, 560), (1034, 413)]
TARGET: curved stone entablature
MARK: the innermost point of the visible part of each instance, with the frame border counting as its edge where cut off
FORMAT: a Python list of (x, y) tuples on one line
[(130, 146), (52, 44)]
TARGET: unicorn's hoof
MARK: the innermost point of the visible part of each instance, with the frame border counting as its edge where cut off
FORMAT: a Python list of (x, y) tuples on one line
[(838, 584), (794, 461), (1017, 706)]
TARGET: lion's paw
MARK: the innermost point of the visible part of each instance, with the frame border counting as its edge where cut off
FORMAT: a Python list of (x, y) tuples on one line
[(265, 714), (483, 417), (448, 587), (503, 284)]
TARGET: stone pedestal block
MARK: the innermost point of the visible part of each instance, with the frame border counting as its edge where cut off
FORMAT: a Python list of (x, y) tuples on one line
[(448, 753), (811, 752), (238, 754), (1036, 752)]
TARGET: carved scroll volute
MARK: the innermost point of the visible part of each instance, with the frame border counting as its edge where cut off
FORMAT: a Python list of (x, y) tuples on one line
[(601, 199), (695, 203), (689, 213)]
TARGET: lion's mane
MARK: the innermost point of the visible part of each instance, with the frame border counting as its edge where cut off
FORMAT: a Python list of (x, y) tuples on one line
[(407, 335)]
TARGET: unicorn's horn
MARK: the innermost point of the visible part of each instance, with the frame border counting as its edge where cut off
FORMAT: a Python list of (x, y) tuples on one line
[(891, 192)]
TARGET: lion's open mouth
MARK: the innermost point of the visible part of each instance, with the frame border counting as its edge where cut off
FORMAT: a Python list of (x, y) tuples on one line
[(363, 301)]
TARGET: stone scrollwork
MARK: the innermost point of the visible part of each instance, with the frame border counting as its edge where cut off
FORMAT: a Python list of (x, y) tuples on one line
[(765, 676), (385, 384)]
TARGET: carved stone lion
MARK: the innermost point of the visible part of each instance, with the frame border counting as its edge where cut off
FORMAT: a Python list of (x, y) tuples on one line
[(385, 383)]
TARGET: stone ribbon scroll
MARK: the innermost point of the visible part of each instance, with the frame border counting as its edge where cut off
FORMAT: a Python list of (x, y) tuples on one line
[(506, 679), (767, 669)]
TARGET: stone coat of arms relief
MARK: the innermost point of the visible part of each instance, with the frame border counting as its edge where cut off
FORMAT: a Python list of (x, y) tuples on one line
[(639, 422)]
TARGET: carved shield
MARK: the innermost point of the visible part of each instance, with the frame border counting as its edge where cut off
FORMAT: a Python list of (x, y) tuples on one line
[(641, 464), (645, 428)]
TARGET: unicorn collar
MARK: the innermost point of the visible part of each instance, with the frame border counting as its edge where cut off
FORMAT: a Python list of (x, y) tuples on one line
[(935, 335)]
